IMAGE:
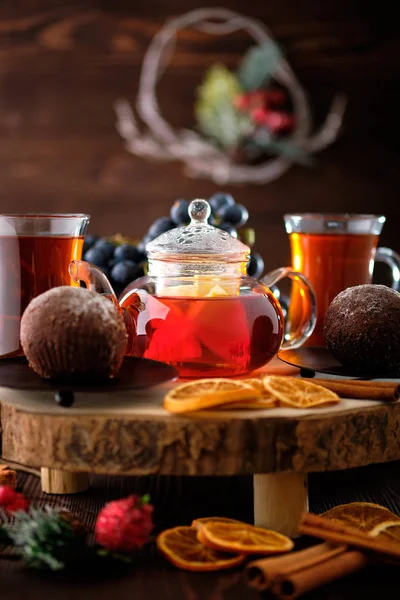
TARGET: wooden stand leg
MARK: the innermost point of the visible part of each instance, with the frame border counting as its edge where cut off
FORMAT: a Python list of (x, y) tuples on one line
[(280, 500), (55, 481)]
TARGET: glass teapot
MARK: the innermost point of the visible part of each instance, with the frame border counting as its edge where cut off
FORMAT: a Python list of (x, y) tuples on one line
[(197, 309)]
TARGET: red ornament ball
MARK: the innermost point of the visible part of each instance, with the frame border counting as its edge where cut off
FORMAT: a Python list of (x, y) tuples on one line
[(124, 525)]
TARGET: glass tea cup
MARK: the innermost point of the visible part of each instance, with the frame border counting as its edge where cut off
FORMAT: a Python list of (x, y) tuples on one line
[(334, 251), (35, 253)]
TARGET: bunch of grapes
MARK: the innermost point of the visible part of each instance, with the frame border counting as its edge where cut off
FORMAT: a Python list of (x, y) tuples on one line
[(123, 260)]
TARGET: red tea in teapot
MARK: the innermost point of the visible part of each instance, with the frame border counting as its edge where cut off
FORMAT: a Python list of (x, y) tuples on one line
[(208, 337), (29, 266)]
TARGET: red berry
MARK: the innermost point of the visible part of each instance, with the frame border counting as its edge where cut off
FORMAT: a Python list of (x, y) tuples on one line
[(7, 495), (259, 115), (257, 98), (13, 501), (250, 100), (124, 525), (275, 97), (279, 121)]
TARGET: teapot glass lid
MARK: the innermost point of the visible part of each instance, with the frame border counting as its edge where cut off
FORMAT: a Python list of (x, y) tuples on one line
[(198, 239)]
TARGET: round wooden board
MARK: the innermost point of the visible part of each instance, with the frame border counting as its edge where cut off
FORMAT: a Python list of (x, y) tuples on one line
[(131, 433)]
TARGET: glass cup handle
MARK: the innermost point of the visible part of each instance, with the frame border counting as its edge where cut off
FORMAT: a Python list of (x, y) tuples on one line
[(391, 258), (309, 317)]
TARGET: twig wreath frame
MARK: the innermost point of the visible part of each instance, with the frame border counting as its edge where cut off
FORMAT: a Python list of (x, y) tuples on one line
[(200, 157)]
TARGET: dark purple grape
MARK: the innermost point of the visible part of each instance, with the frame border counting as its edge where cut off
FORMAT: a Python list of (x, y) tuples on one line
[(282, 299), (142, 244), (106, 271), (276, 291), (212, 220), (255, 266), (237, 215), (228, 228), (220, 201), (97, 256), (180, 212), (89, 241), (127, 252), (126, 271), (106, 247), (160, 226), (284, 302), (142, 256)]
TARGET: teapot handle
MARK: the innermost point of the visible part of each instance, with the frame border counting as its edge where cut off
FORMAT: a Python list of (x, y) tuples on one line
[(309, 316), (95, 280)]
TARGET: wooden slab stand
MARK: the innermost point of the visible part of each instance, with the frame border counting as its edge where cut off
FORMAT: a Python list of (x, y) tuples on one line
[(133, 435)]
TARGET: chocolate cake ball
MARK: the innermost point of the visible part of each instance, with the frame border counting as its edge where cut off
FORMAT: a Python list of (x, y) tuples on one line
[(362, 329), (71, 332)]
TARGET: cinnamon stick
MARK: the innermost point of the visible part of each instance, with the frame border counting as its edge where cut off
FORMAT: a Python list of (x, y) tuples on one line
[(292, 585), (262, 573), (325, 529), (362, 390), (362, 382), (346, 550)]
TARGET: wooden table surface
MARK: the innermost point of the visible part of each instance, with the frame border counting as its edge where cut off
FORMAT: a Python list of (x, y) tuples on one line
[(177, 500)]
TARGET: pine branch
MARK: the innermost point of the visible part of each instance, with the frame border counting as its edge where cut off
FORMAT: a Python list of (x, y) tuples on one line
[(262, 141), (5, 539), (45, 539)]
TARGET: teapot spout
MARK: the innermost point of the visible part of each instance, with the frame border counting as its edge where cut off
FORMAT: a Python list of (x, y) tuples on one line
[(92, 277)]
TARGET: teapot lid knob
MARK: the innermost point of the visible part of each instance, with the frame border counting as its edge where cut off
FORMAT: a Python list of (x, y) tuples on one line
[(199, 212), (198, 240)]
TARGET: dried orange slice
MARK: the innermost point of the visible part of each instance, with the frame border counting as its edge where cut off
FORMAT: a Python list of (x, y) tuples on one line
[(203, 520), (243, 538), (299, 393), (206, 393), (267, 400), (388, 531), (258, 384), (182, 548), (249, 404), (365, 516)]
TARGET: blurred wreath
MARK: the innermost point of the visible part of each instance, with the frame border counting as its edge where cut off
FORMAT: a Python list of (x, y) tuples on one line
[(247, 113), (252, 124)]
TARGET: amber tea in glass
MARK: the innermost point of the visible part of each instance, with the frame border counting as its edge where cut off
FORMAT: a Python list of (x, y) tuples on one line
[(35, 252), (334, 251)]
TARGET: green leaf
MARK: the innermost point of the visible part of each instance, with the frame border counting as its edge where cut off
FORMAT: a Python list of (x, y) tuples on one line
[(290, 150), (259, 66), (113, 556), (263, 141), (216, 115)]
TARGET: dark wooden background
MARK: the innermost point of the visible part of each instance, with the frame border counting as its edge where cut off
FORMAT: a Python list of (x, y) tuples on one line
[(63, 63)]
